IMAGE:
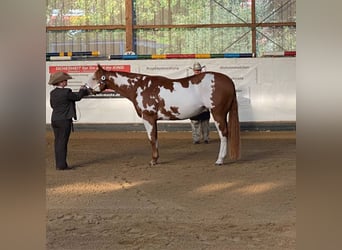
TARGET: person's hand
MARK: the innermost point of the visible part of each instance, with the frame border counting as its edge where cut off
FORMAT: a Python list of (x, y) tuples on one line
[(85, 88)]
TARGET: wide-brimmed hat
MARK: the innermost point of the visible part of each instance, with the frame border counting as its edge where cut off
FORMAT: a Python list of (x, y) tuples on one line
[(197, 66), (58, 77)]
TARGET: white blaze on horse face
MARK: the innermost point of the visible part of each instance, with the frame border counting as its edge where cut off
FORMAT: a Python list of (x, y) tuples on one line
[(91, 82)]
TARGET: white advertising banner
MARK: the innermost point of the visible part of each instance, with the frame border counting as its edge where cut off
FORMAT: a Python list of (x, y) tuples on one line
[(266, 87)]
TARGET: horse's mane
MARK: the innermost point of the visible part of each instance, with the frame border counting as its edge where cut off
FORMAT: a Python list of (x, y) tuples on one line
[(130, 74)]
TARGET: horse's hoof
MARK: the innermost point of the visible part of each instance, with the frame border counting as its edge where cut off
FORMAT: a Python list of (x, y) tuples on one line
[(218, 163), (153, 163)]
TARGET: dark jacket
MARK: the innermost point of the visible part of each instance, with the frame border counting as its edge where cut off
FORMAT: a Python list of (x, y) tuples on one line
[(62, 102), (202, 116)]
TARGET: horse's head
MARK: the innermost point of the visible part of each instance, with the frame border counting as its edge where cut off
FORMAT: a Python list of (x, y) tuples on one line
[(98, 81)]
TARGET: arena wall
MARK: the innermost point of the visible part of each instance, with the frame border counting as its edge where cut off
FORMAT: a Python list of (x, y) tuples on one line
[(266, 87)]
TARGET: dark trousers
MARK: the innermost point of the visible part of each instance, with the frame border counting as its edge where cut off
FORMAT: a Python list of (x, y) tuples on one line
[(61, 130)]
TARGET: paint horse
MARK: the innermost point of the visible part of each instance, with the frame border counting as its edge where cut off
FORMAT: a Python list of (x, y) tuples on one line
[(160, 98)]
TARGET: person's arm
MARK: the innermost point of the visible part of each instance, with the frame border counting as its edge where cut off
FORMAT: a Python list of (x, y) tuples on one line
[(76, 96)]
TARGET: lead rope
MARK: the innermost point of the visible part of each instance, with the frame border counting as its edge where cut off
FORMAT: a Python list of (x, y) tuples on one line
[(78, 113), (78, 110)]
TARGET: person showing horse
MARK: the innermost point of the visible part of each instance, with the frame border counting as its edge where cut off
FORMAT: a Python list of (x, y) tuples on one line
[(200, 123), (62, 102)]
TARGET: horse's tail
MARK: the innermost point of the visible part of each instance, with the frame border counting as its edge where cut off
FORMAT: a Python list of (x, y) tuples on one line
[(234, 131)]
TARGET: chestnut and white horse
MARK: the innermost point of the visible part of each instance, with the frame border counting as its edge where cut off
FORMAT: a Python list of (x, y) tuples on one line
[(160, 98)]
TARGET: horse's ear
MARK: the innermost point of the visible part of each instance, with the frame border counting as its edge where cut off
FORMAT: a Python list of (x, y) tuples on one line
[(99, 66)]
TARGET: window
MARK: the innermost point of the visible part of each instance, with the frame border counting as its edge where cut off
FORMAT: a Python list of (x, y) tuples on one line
[(171, 26)]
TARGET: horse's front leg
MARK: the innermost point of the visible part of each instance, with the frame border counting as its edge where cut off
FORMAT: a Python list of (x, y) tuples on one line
[(151, 129)]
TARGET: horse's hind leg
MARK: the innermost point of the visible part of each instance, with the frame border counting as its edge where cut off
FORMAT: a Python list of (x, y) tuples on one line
[(222, 129), (151, 129)]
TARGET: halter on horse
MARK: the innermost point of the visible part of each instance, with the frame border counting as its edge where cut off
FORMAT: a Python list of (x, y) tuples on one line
[(160, 98)]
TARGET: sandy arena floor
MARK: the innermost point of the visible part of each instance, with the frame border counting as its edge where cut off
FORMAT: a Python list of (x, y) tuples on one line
[(115, 200)]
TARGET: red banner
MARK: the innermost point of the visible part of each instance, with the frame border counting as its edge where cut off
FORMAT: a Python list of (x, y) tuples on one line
[(88, 68)]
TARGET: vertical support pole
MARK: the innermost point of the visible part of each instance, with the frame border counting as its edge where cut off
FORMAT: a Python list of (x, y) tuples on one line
[(253, 27), (129, 25)]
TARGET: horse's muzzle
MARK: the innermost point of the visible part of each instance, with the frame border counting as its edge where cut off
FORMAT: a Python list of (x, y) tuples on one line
[(90, 90)]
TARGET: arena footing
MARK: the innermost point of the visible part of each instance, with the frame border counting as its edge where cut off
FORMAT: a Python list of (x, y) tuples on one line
[(174, 126)]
